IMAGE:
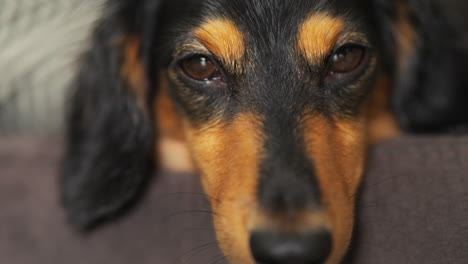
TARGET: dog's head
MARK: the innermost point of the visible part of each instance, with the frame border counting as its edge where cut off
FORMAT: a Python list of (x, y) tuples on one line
[(276, 101)]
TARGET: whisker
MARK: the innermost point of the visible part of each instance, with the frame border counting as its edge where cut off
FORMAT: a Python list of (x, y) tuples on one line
[(219, 259), (198, 229), (167, 217), (209, 197), (193, 252)]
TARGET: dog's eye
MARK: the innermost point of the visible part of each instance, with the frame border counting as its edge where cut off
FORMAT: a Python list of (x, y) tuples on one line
[(200, 68), (346, 59)]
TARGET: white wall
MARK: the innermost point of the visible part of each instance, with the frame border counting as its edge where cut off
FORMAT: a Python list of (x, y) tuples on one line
[(39, 43)]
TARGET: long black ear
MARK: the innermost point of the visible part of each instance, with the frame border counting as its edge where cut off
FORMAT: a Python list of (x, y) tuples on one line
[(109, 134), (427, 47)]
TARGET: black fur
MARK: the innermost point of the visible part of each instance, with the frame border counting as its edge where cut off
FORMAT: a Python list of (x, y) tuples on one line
[(430, 91), (110, 139)]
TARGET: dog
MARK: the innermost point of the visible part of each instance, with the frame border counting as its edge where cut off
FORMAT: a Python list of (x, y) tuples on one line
[(276, 102)]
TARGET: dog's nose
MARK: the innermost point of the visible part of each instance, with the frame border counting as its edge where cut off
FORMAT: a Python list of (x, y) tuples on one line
[(286, 248)]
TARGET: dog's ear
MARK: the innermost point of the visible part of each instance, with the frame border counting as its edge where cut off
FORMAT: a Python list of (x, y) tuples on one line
[(426, 47), (109, 133)]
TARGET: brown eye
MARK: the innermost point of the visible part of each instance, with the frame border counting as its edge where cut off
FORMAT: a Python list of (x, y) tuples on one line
[(346, 59), (199, 68)]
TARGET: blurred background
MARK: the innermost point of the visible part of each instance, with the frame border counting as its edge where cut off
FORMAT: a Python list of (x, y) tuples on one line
[(39, 43)]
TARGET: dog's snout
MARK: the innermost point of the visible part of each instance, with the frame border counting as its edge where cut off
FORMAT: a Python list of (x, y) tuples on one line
[(287, 248)]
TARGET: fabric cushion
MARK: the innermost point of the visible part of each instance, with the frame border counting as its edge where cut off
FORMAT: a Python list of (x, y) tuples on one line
[(413, 209)]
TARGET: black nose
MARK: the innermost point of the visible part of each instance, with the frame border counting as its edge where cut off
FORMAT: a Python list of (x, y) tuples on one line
[(285, 248)]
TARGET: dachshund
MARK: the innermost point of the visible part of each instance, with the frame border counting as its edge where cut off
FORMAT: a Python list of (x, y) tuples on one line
[(276, 102)]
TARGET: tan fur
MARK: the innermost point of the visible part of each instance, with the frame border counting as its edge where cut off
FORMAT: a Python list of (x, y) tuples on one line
[(132, 70), (171, 149), (337, 148), (317, 36), (168, 119), (223, 38), (227, 157), (381, 123), (406, 36)]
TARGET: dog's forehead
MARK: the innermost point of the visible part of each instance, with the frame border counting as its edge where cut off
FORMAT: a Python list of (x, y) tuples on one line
[(263, 28), (261, 24), (267, 17), (254, 12)]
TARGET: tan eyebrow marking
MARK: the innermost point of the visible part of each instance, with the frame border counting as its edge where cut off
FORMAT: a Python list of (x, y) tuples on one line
[(224, 39), (317, 35)]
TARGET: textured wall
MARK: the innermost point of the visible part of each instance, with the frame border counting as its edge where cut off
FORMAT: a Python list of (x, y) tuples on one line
[(39, 44)]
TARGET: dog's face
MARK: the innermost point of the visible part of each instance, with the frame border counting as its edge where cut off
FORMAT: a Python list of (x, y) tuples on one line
[(276, 101), (273, 98)]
